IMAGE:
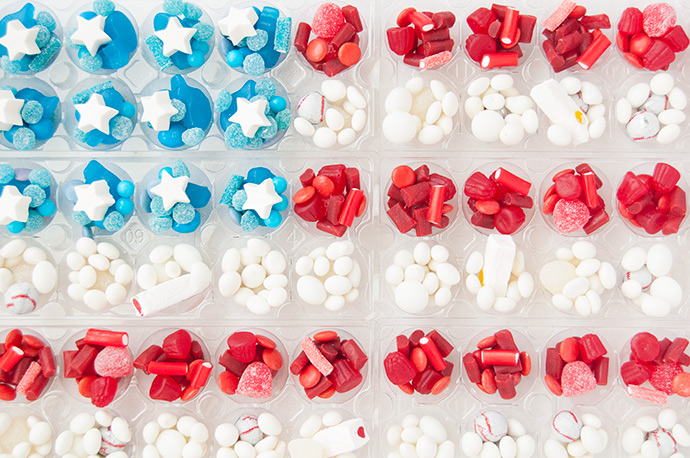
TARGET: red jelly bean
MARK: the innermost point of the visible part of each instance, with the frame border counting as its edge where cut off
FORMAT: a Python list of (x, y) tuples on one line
[(681, 384), (349, 54), (317, 49)]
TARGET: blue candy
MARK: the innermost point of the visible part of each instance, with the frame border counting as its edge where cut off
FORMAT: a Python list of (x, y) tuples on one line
[(47, 208), (42, 59), (87, 232), (125, 188), (173, 7), (235, 216), (15, 227), (43, 129), (283, 119), (114, 221), (34, 221), (46, 20), (249, 221), (183, 213), (40, 177), (279, 184), (167, 170), (255, 142), (37, 194), (198, 195), (268, 132), (91, 64), (80, 218), (193, 136), (83, 96), (223, 101), (172, 138), (124, 206), (274, 219), (258, 41), (43, 37), (234, 136), (103, 7), (181, 110), (160, 224), (239, 199), (258, 175), (128, 110), (204, 32), (200, 46), (277, 104), (192, 12), (68, 190), (113, 98), (24, 139), (32, 112), (6, 173), (155, 45), (95, 171), (157, 207), (254, 64), (79, 135), (282, 205), (121, 128), (235, 183), (10, 66), (195, 59), (266, 87), (180, 169), (282, 34), (189, 227)]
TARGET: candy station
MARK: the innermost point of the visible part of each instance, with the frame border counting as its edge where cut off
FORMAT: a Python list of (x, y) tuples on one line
[(330, 229)]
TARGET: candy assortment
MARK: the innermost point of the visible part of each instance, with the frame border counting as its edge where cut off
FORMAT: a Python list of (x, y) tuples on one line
[(24, 435), (235, 286), (573, 435), (495, 435), (27, 366), (101, 432), (663, 435)]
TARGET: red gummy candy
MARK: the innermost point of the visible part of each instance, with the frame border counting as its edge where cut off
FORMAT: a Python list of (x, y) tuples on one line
[(658, 18), (344, 376), (401, 40), (242, 345), (662, 376), (328, 20), (631, 21), (644, 346), (577, 379), (479, 44), (103, 391), (634, 373), (227, 382), (665, 177), (480, 19), (163, 388), (177, 344), (472, 368), (150, 354), (677, 39), (316, 357), (570, 215), (352, 17), (509, 219), (113, 362), (568, 186), (399, 369), (256, 381), (658, 56), (591, 348), (354, 354), (478, 186)]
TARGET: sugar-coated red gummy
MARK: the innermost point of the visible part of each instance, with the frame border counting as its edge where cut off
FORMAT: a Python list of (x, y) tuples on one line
[(316, 357), (658, 18), (177, 345), (113, 362), (28, 378), (570, 215), (577, 379), (328, 19), (256, 381), (662, 376)]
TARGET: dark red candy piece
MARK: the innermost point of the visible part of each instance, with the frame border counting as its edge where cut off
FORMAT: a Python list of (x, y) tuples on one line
[(480, 19), (600, 368), (444, 347), (554, 363), (164, 388), (631, 21), (177, 345), (351, 15), (658, 56), (242, 346), (402, 220), (416, 194), (505, 384), (324, 384), (401, 40), (631, 189), (644, 346), (480, 219), (635, 372), (150, 354), (312, 210), (352, 178), (477, 45), (67, 359), (568, 186), (402, 343), (422, 225), (45, 359), (36, 388), (436, 179), (526, 24), (299, 363), (598, 21), (103, 390), (478, 186), (471, 368), (336, 173), (651, 220), (662, 375), (675, 350), (399, 369), (665, 177), (663, 346), (82, 360), (591, 348), (677, 39), (425, 381), (354, 354), (231, 364), (504, 340), (344, 376), (509, 219)]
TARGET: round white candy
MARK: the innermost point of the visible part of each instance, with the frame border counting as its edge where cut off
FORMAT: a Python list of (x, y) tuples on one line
[(491, 426), (400, 127), (471, 443), (430, 135), (226, 434), (487, 125), (411, 296), (571, 85), (512, 134), (566, 426), (325, 138), (668, 134), (559, 135), (632, 439), (661, 83)]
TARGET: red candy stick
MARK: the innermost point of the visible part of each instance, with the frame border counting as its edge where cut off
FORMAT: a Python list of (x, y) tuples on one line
[(509, 35), (500, 357), (499, 59), (421, 21), (302, 36), (655, 396), (11, 358), (594, 51), (590, 184), (432, 353), (316, 357), (512, 181), (350, 207), (201, 374), (167, 368), (435, 211), (106, 338)]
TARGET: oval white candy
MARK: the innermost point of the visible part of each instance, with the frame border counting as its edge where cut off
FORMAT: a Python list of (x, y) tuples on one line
[(632, 439), (638, 94), (304, 127), (471, 443), (512, 134), (478, 86), (672, 116), (677, 99), (473, 106), (333, 90), (668, 134), (311, 290), (659, 260), (325, 137), (269, 424), (359, 120), (430, 135), (571, 85), (530, 121), (668, 289), (493, 101), (44, 277), (411, 296), (591, 94), (624, 111), (355, 97), (597, 128), (400, 127), (661, 83)]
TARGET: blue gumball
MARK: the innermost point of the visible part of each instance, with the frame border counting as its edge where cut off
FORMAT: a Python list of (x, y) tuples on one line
[(165, 169), (128, 110), (234, 58), (125, 188), (277, 104), (124, 206), (195, 59), (282, 205), (280, 184), (274, 219), (47, 208)]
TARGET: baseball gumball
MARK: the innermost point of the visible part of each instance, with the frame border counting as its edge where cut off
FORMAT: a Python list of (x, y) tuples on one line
[(665, 442), (566, 426), (21, 298), (642, 276), (248, 427), (312, 107), (491, 426)]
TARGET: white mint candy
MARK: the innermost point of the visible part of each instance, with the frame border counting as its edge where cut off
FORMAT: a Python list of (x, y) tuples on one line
[(632, 439), (661, 83), (400, 127), (487, 125)]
